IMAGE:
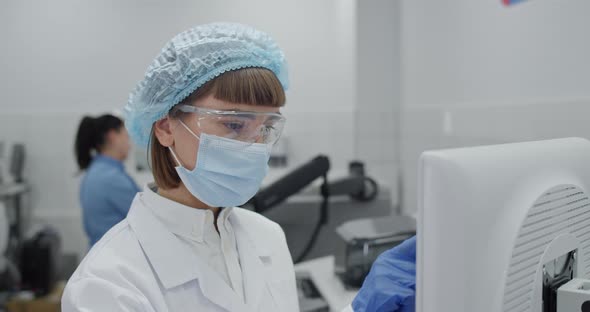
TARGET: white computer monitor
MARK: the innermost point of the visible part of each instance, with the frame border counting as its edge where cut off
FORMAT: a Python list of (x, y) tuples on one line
[(497, 222)]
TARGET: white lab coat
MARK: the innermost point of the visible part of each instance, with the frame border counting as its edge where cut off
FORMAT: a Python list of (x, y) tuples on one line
[(141, 266)]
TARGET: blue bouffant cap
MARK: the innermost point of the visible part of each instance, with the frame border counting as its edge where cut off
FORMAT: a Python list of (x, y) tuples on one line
[(191, 59)]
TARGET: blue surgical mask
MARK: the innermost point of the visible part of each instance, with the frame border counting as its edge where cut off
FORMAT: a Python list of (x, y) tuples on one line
[(227, 172)]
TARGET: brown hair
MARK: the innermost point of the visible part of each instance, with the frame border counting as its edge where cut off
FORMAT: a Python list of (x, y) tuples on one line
[(253, 86)]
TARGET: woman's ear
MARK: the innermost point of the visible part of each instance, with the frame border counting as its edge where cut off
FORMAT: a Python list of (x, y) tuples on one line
[(163, 131), (110, 136)]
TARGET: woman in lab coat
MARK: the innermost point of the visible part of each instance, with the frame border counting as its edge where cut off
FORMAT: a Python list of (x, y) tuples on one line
[(209, 110)]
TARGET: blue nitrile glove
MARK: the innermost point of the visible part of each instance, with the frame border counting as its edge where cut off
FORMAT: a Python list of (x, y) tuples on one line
[(391, 283)]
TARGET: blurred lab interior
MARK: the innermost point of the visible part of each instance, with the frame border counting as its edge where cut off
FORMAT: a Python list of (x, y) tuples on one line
[(373, 85)]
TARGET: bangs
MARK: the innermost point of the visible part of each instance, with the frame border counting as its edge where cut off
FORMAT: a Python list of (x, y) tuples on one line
[(252, 86)]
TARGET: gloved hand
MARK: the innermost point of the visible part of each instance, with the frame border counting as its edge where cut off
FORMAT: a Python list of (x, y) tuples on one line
[(391, 283)]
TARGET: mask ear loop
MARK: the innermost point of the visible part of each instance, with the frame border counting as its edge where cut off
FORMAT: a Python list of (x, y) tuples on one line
[(189, 129), (175, 157), (172, 151)]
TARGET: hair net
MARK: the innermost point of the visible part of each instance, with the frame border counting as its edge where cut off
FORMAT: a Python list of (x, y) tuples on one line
[(191, 59)]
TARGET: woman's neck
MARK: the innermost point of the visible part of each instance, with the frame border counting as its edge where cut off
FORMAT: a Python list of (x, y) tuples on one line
[(182, 196), (111, 154)]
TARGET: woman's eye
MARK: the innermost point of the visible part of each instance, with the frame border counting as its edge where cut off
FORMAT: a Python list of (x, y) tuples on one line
[(267, 130), (234, 125)]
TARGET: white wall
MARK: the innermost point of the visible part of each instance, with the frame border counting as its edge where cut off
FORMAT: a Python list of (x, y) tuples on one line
[(379, 90), (477, 72), (62, 59), (85, 55)]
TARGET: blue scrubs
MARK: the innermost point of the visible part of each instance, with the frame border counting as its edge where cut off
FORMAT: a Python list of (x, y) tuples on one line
[(106, 194)]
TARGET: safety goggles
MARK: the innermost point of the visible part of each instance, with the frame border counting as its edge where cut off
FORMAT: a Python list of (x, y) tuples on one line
[(251, 127)]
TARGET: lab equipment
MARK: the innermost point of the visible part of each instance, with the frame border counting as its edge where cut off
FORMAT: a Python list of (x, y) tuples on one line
[(310, 299), (321, 272), (279, 156), (12, 162), (226, 173), (248, 127), (40, 261), (4, 236), (140, 156), (17, 162), (2, 162), (391, 283), (9, 274), (290, 184), (12, 195), (498, 225), (366, 239), (357, 186), (191, 59), (574, 296)]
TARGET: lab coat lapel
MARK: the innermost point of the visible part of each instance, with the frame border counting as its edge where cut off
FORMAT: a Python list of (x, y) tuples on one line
[(217, 290), (174, 263), (255, 262)]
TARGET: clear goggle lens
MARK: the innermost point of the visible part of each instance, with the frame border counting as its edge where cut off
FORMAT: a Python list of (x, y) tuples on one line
[(250, 127)]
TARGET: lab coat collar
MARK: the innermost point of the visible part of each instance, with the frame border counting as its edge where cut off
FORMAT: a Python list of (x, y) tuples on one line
[(243, 238), (173, 262), (181, 220), (176, 264)]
